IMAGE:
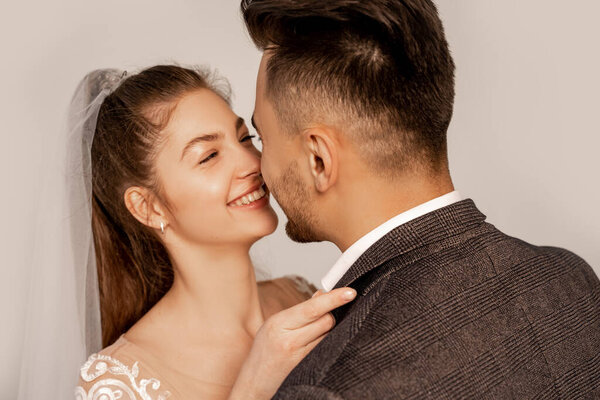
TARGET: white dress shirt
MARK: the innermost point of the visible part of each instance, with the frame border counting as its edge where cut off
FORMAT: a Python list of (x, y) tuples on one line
[(353, 252)]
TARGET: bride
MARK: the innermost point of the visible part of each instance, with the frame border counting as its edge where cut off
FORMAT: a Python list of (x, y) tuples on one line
[(177, 200)]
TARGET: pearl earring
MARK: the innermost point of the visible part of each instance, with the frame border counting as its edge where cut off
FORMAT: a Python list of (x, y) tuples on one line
[(162, 227)]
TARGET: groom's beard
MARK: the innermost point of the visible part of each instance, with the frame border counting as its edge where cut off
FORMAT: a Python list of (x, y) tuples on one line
[(295, 202)]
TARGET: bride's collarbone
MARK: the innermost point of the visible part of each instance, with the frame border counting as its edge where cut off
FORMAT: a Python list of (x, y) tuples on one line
[(211, 364)]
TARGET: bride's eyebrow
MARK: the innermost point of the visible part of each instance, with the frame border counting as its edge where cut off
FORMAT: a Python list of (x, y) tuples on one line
[(210, 137)]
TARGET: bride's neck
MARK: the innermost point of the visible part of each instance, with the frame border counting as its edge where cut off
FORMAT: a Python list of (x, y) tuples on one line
[(214, 291)]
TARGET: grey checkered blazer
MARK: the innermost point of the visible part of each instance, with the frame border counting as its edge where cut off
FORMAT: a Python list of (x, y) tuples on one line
[(448, 307)]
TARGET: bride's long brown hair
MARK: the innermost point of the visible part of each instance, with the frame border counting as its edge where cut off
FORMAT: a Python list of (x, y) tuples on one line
[(134, 269)]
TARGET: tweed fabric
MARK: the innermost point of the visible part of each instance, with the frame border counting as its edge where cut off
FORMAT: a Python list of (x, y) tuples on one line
[(449, 307)]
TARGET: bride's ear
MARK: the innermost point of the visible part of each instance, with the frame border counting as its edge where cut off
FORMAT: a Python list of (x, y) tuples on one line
[(144, 206)]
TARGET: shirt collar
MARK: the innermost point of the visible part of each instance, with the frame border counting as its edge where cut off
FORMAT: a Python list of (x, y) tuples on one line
[(353, 252)]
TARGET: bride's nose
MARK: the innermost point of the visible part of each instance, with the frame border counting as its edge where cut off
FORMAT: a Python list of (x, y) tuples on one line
[(248, 163)]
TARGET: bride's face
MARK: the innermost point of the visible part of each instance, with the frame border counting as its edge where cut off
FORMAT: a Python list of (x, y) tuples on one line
[(209, 171)]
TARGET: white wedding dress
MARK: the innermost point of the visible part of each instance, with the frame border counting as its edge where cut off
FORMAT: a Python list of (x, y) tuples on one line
[(126, 371)]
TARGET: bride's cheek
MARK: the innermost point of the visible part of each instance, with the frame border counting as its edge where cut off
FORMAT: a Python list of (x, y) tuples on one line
[(206, 201)]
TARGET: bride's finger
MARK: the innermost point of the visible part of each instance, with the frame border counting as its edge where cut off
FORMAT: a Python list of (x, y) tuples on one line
[(314, 308), (308, 348), (311, 332)]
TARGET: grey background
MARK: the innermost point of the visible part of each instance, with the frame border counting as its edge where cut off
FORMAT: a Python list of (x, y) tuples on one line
[(523, 142)]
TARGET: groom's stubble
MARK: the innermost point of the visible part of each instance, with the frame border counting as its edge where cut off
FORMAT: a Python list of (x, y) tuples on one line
[(295, 201)]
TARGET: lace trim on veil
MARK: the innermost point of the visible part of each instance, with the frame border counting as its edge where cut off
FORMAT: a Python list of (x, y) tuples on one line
[(110, 388)]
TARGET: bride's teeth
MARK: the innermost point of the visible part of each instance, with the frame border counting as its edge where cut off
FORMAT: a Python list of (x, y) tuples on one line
[(250, 197)]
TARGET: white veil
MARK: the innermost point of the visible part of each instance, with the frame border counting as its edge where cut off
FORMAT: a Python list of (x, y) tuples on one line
[(63, 314)]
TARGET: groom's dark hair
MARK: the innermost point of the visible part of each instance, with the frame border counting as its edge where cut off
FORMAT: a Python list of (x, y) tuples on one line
[(379, 69)]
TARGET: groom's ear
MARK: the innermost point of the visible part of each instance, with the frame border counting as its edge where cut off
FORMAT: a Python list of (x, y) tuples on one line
[(322, 149)]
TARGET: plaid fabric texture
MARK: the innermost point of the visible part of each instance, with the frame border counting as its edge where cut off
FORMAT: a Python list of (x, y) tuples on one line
[(448, 307)]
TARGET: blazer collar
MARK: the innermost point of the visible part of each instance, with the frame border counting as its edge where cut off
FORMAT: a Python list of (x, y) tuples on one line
[(427, 229)]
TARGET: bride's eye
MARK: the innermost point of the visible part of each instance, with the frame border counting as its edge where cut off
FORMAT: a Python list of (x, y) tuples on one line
[(247, 137), (213, 155)]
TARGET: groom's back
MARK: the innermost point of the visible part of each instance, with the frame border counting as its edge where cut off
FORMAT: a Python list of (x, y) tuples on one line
[(449, 307)]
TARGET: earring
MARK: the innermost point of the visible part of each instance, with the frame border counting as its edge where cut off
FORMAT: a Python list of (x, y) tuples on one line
[(162, 227)]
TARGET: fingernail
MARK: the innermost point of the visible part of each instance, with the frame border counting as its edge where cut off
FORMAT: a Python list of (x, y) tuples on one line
[(349, 294)]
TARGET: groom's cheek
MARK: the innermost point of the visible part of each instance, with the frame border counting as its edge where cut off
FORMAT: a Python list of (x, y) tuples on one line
[(265, 169), (270, 168)]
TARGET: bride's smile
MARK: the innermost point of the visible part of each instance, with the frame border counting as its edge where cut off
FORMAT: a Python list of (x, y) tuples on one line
[(251, 199)]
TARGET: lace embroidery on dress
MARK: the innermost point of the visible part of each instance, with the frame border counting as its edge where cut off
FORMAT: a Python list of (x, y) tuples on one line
[(303, 286), (109, 388)]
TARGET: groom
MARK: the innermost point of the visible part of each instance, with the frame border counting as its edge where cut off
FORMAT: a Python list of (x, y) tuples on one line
[(353, 102)]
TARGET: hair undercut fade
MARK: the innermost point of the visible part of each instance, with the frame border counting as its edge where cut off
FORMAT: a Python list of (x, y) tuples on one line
[(379, 70)]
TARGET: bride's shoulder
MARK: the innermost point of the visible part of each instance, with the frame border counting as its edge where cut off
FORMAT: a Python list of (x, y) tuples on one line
[(115, 373), (301, 285), (288, 290)]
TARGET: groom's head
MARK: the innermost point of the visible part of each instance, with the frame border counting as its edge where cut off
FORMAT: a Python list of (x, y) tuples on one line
[(348, 92)]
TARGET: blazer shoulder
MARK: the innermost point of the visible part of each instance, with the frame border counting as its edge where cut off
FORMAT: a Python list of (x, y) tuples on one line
[(306, 392), (574, 263)]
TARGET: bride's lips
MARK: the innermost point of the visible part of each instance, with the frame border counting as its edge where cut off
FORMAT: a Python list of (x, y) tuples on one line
[(260, 203), (252, 189), (264, 200)]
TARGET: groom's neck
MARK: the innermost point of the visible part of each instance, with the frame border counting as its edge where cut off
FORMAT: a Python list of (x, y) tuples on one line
[(369, 202)]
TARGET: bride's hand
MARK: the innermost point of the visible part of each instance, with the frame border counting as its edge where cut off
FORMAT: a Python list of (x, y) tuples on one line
[(283, 341)]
